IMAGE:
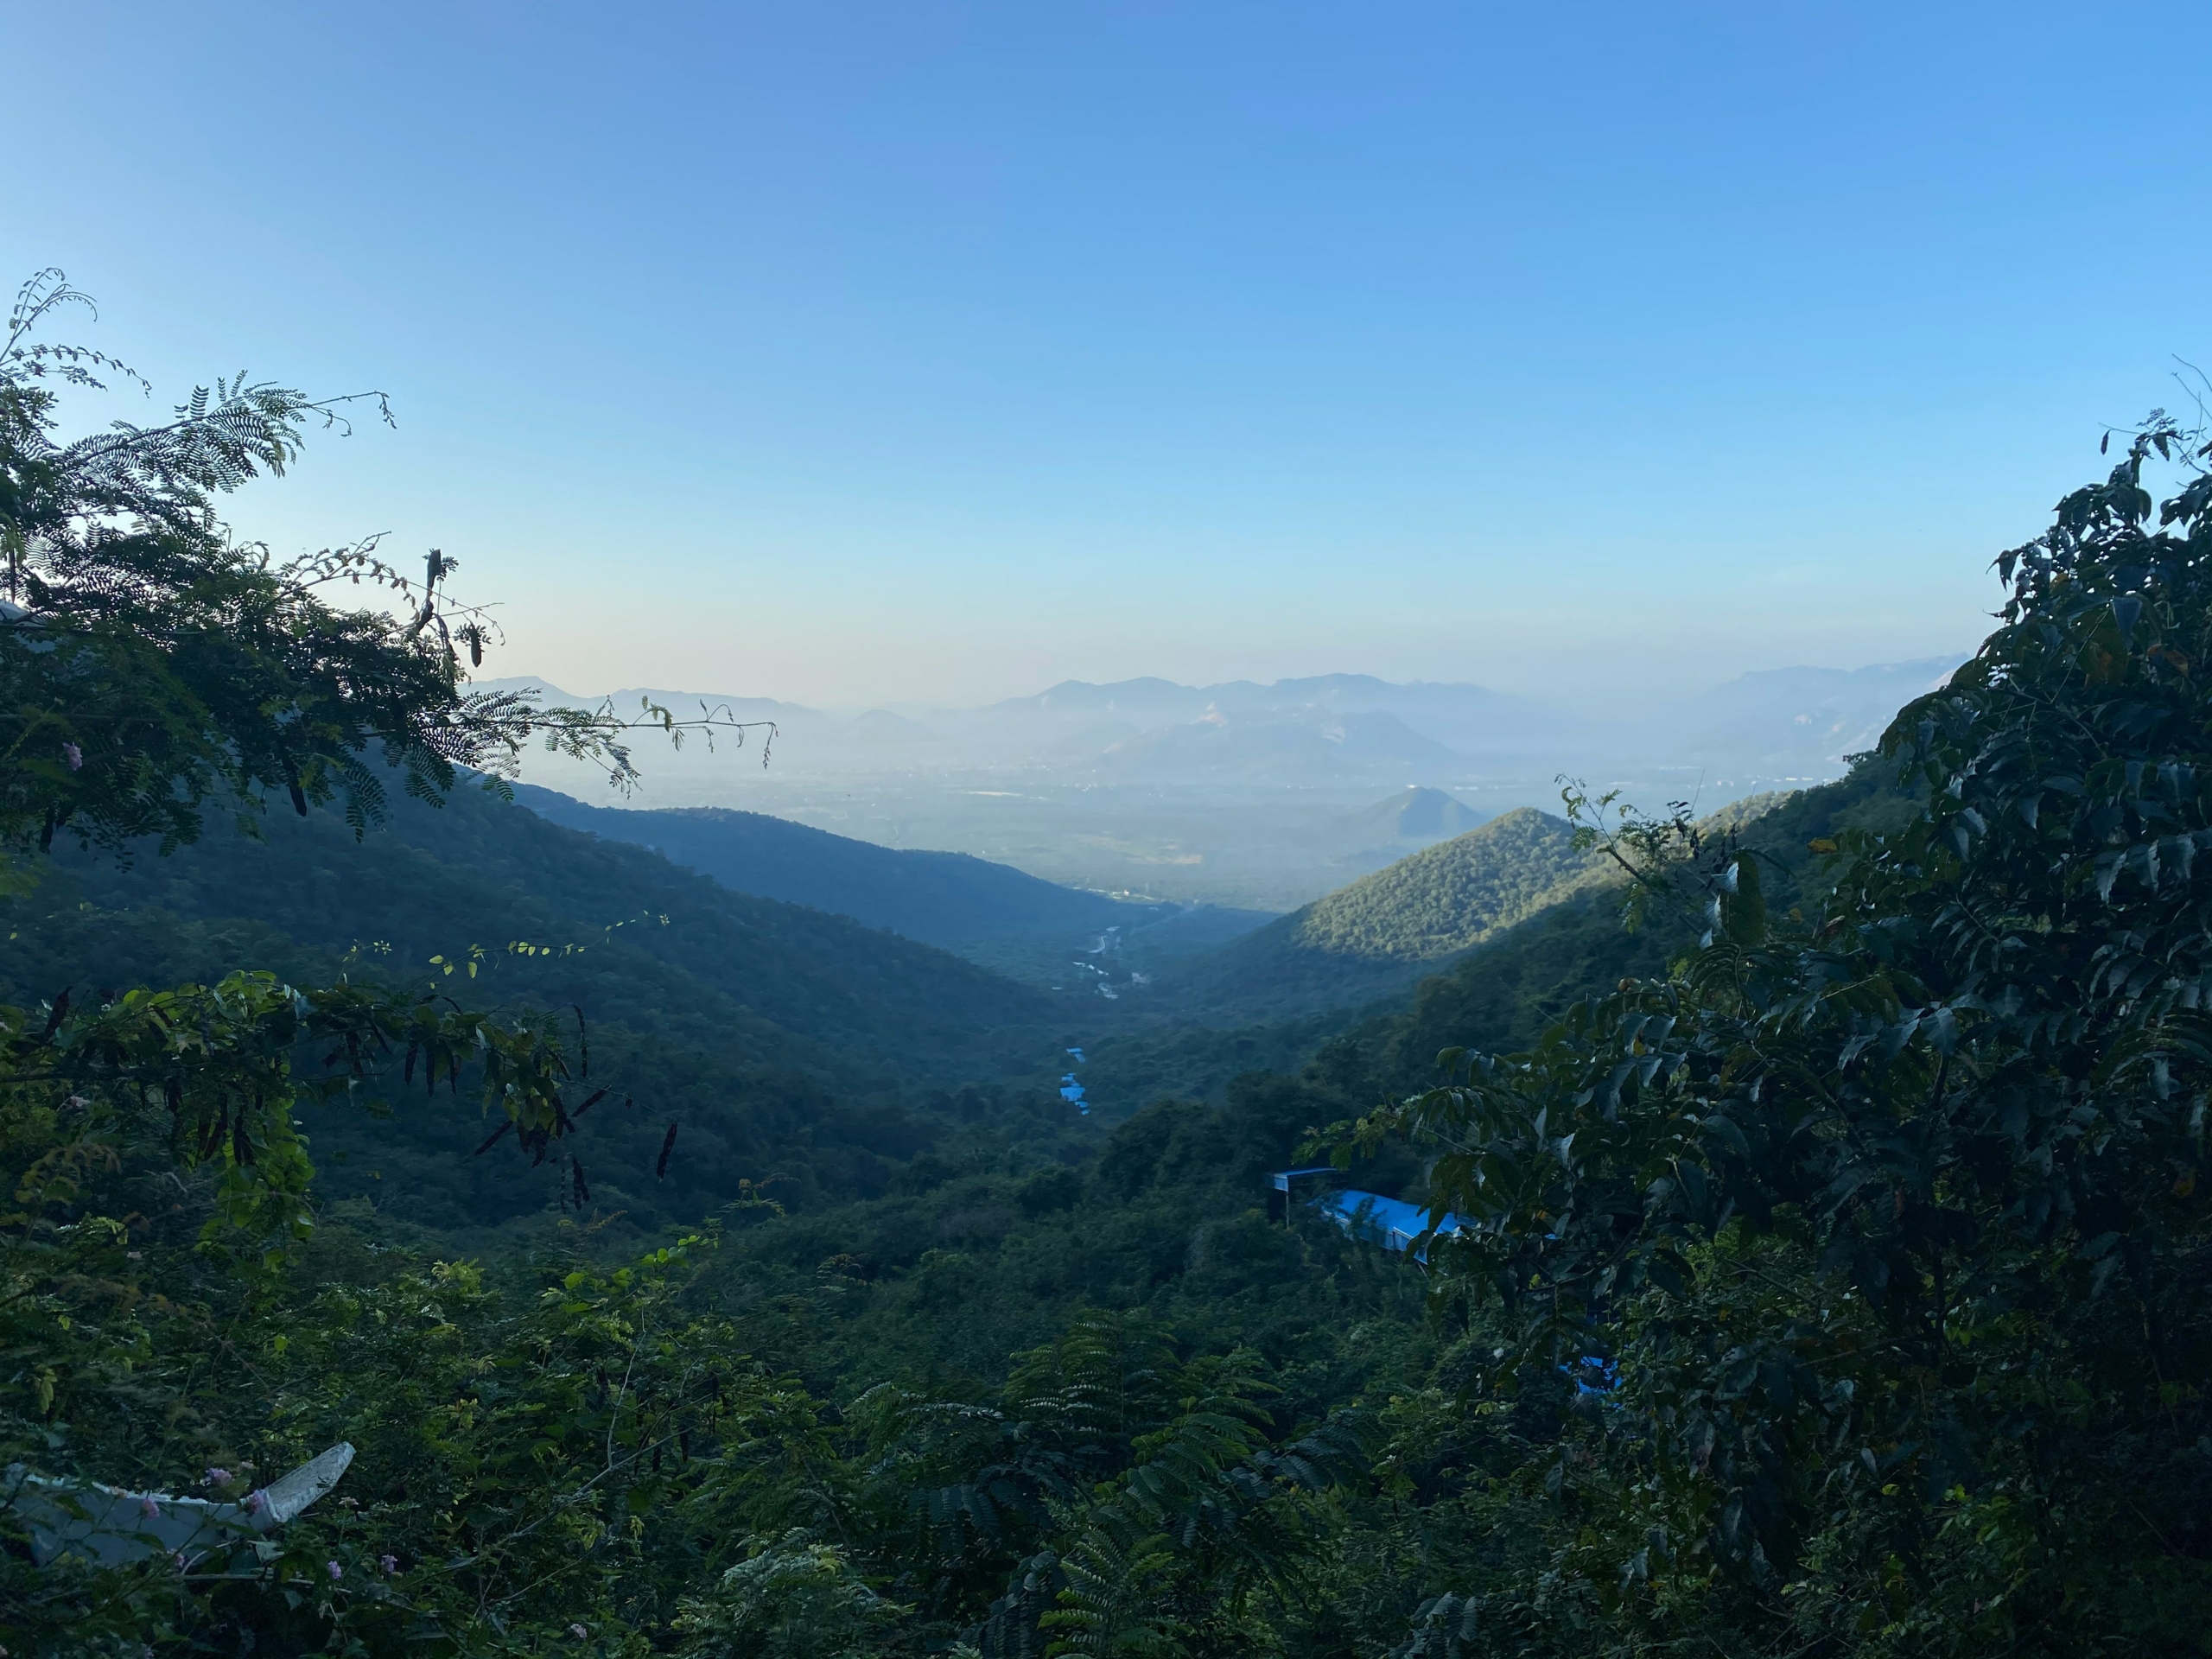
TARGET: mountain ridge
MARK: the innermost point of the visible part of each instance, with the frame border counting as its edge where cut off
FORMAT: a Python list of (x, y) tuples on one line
[(1802, 719), (947, 900), (785, 1042), (1383, 932)]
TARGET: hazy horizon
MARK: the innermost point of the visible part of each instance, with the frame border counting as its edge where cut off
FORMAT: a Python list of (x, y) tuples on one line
[(1563, 694), (1260, 797)]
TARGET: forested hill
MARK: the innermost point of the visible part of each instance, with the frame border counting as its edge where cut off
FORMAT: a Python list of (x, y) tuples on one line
[(944, 898), (785, 1041), (1384, 931), (1416, 813), (1497, 995), (1500, 996)]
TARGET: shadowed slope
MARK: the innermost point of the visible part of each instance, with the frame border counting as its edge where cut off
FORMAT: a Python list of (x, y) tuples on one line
[(947, 900), (786, 1042)]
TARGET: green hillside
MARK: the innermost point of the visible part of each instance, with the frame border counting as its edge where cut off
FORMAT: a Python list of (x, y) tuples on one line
[(1383, 1036), (785, 1042), (1378, 935), (1501, 995), (1448, 897), (950, 900)]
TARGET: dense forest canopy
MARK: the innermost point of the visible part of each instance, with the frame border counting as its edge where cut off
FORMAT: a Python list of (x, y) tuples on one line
[(1873, 1229), (1824, 1274)]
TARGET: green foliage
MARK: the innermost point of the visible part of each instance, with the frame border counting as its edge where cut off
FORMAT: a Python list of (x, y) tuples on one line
[(148, 666), (609, 1455), (1500, 995), (1875, 1239), (1438, 903), (795, 1598), (218, 1060), (1380, 934), (786, 1043), (1117, 1598), (151, 666)]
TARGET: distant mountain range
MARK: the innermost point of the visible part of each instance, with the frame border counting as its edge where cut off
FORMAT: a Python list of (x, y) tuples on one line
[(1806, 716), (1794, 724), (1353, 722)]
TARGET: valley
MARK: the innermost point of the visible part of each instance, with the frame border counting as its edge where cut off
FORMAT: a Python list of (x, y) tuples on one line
[(1243, 796), (817, 1012), (908, 1194), (493, 1175)]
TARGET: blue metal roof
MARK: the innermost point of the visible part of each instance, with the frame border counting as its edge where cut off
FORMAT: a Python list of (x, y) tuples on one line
[(1391, 1223)]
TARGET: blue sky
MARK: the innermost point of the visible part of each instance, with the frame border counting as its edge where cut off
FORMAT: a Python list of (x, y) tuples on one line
[(918, 353)]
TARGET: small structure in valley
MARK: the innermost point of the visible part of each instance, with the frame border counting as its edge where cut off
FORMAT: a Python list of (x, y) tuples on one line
[(1392, 1223)]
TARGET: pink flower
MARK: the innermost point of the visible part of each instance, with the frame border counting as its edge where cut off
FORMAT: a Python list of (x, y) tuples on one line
[(256, 1503), (336, 1571), (388, 1563), (148, 1507), (217, 1476), (578, 1631), (74, 756)]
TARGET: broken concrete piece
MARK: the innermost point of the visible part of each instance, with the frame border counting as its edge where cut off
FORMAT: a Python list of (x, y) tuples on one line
[(108, 1525)]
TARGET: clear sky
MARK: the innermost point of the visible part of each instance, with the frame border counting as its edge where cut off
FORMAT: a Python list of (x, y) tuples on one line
[(924, 352)]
